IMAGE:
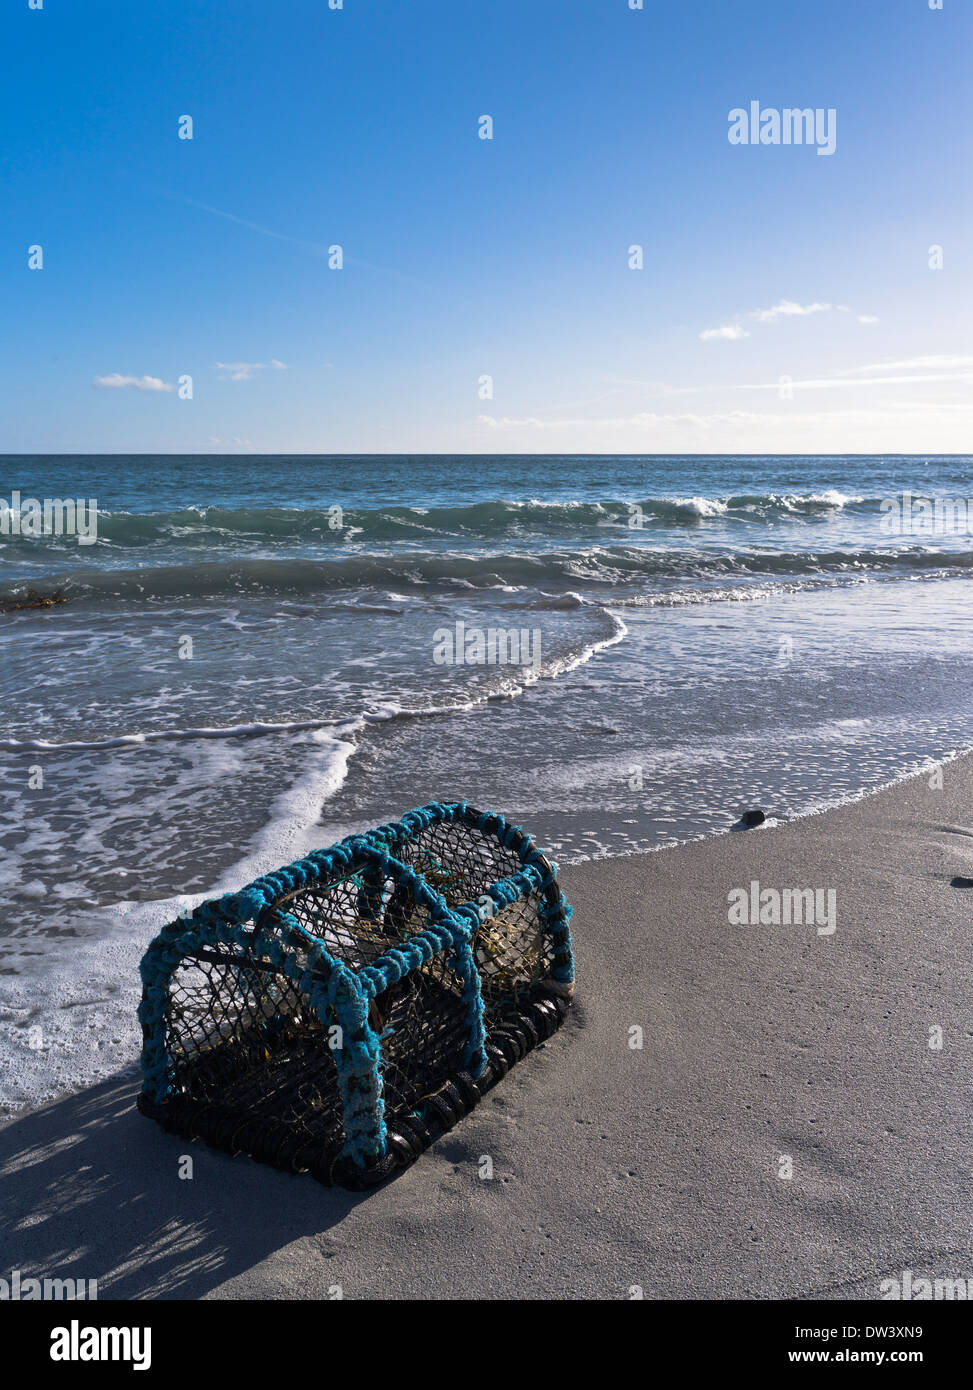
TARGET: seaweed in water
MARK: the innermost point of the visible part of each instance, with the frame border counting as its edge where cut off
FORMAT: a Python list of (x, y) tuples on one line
[(32, 599)]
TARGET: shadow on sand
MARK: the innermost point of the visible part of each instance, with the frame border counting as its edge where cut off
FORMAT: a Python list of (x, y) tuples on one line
[(89, 1189)]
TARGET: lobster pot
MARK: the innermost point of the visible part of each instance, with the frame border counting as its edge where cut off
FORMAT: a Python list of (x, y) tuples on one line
[(339, 1015)]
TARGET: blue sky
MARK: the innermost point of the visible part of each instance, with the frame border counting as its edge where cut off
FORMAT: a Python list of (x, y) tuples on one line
[(465, 258)]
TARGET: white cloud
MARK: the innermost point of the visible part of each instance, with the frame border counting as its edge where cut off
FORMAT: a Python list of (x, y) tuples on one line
[(243, 371), (730, 331), (921, 404), (787, 308), (642, 419), (941, 428), (944, 361), (115, 381), (826, 383)]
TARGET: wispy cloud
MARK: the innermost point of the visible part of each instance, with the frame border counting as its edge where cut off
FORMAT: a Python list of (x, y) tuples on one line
[(929, 369), (904, 404), (115, 381), (786, 309), (730, 331), (913, 371), (243, 371), (901, 409), (641, 418), (317, 247), (937, 361)]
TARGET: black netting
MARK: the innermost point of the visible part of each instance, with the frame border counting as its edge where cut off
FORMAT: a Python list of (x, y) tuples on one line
[(458, 860), (247, 1046), (421, 1019), (461, 861)]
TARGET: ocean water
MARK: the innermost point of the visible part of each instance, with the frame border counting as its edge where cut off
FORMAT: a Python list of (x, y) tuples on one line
[(252, 661)]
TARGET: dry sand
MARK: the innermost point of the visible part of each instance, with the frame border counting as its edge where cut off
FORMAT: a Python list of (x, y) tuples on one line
[(657, 1168)]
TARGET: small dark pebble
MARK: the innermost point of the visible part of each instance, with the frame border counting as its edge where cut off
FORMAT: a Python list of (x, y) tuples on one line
[(960, 882), (752, 818)]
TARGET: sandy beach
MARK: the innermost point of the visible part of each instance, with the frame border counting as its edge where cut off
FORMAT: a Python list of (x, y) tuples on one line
[(616, 1168)]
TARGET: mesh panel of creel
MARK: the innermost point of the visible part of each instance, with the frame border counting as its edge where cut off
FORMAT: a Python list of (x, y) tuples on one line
[(513, 954), (461, 862), (245, 1041), (246, 1044), (458, 860), (424, 1028), (422, 1019)]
